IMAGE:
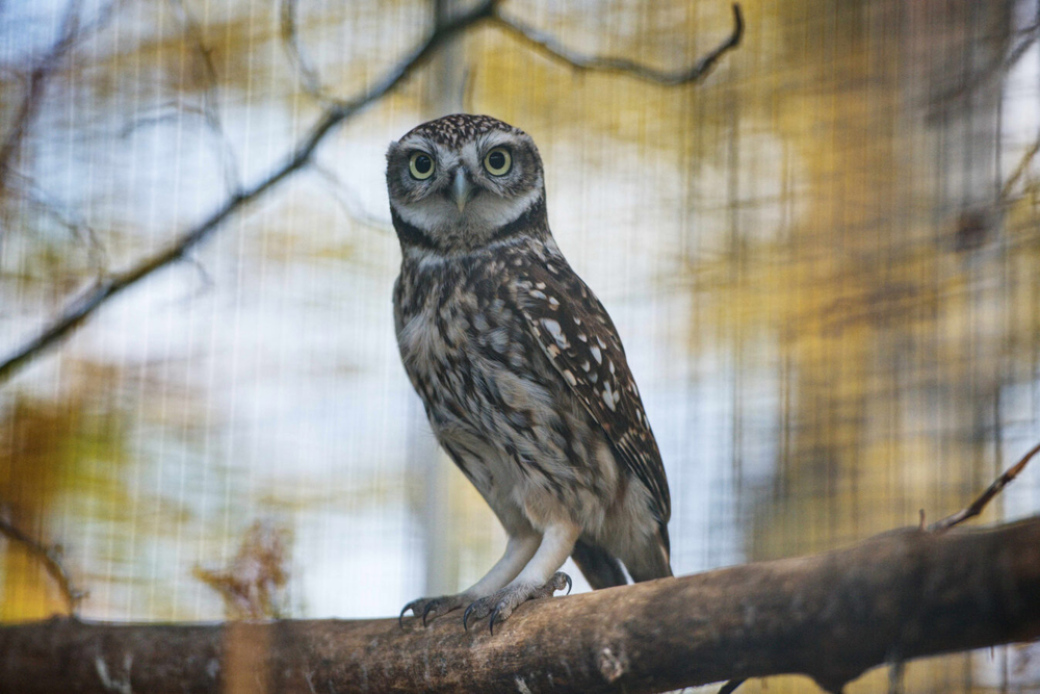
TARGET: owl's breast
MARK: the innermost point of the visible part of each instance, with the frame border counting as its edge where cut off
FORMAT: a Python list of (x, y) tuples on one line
[(461, 340), (495, 401)]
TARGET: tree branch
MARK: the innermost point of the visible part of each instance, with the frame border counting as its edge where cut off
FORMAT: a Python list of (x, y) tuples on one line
[(976, 507), (832, 616), (207, 75), (50, 556), (72, 33), (83, 306), (1021, 170), (309, 76), (35, 84), (997, 68), (80, 308), (548, 45)]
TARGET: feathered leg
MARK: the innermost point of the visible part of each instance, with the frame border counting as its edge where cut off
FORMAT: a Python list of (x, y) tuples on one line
[(539, 579), (519, 550)]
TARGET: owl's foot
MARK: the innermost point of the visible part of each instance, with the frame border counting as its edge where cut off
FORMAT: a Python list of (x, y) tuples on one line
[(501, 604), (432, 608)]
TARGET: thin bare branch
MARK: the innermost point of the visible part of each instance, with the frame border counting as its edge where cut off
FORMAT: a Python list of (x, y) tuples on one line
[(731, 686), (73, 222), (1028, 36), (976, 507), (35, 84), (996, 69), (1020, 171), (89, 301), (548, 45), (209, 109), (72, 33), (206, 283), (291, 41), (348, 200), (161, 114), (50, 557)]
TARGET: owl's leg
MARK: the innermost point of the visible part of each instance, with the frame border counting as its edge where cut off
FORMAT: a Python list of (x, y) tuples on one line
[(519, 550), (539, 579)]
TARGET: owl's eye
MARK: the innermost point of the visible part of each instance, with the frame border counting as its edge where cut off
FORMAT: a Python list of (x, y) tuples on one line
[(498, 161), (420, 166)]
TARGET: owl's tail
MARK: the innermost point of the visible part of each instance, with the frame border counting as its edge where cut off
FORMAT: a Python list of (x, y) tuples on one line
[(653, 560), (603, 570), (600, 568)]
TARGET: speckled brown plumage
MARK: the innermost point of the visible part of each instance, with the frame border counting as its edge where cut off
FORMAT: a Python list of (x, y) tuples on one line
[(453, 130), (520, 369)]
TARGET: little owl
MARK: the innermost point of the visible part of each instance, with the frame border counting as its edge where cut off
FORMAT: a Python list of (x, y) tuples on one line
[(520, 369)]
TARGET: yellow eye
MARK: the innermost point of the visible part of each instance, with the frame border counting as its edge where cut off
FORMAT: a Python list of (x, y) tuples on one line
[(420, 166), (498, 161)]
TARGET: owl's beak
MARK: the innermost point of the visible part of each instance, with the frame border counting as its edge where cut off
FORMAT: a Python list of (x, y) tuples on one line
[(461, 189)]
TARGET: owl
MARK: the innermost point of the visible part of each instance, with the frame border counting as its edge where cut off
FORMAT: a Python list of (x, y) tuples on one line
[(520, 369)]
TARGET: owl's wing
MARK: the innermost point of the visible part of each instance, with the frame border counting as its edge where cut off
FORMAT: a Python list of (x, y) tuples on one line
[(576, 333)]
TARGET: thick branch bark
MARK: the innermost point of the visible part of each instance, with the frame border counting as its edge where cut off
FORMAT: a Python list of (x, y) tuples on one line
[(50, 556), (900, 595)]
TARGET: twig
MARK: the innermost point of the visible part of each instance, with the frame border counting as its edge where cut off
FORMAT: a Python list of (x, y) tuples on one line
[(36, 82), (71, 221), (552, 48), (291, 41), (731, 686), (976, 507), (228, 161), (996, 68), (72, 32), (348, 201), (88, 302), (83, 306), (1020, 170), (51, 558), (896, 672)]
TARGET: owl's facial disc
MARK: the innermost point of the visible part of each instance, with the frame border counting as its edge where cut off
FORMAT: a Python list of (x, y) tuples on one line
[(460, 195)]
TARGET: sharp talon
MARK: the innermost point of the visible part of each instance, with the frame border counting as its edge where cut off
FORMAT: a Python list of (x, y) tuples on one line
[(426, 611), (466, 614), (569, 584), (491, 621), (400, 618)]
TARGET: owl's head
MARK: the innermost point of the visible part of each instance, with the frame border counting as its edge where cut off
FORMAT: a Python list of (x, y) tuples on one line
[(461, 182)]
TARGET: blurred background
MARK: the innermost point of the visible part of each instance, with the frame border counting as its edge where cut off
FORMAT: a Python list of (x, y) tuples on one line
[(824, 261)]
